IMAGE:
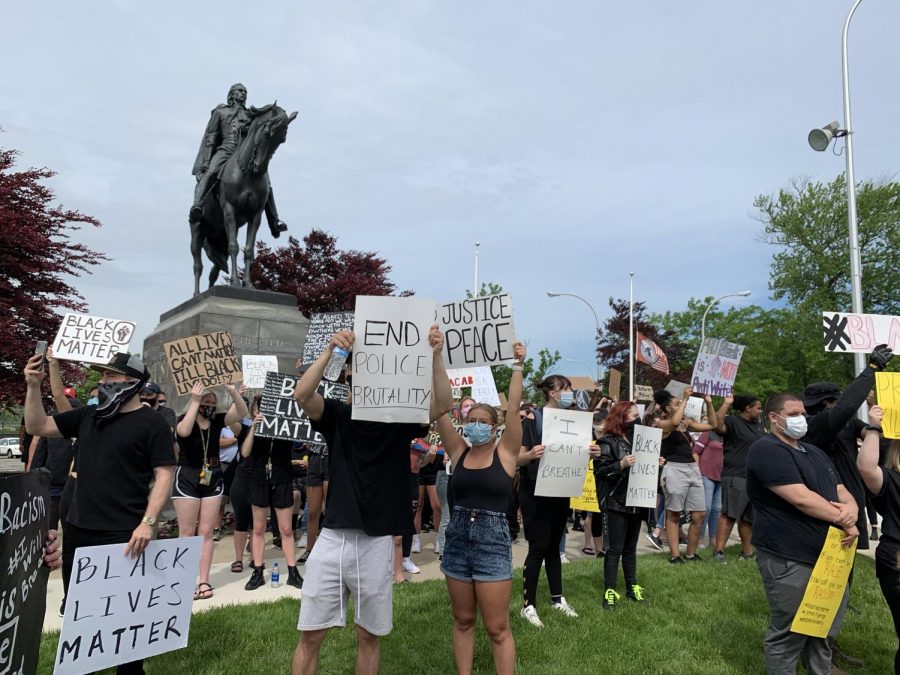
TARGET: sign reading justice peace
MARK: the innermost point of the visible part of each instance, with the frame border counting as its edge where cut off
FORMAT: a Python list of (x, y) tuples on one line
[(477, 331)]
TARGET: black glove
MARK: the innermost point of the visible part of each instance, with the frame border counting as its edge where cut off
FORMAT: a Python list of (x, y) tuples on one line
[(881, 356)]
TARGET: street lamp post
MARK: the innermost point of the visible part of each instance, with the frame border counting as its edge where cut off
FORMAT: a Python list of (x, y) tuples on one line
[(555, 294), (715, 302), (582, 363)]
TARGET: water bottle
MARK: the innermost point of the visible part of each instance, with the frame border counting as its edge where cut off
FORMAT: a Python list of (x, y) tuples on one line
[(335, 364), (276, 578)]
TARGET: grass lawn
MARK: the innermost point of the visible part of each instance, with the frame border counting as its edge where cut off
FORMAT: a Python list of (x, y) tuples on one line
[(704, 618)]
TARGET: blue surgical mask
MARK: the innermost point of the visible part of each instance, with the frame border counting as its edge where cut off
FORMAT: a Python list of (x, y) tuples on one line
[(93, 401), (566, 399), (478, 433)]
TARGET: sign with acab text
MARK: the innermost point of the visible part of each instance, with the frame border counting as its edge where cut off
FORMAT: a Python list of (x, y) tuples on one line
[(825, 590), (644, 477), (121, 609), (392, 359), (859, 332), (91, 339), (283, 418), (477, 331), (209, 359), (566, 437), (716, 367)]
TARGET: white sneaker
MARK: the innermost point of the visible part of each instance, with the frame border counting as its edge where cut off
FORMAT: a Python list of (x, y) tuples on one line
[(416, 544), (301, 543), (564, 559), (565, 608), (530, 614), (409, 566), (437, 547)]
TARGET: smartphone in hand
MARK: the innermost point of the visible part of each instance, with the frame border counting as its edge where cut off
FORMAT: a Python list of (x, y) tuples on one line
[(41, 349)]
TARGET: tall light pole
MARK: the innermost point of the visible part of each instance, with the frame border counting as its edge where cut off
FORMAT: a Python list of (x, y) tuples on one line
[(582, 363), (631, 336), (555, 294), (820, 139), (475, 289), (715, 302)]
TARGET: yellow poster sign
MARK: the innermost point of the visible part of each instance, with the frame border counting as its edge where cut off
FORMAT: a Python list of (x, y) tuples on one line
[(887, 392), (826, 586), (587, 501)]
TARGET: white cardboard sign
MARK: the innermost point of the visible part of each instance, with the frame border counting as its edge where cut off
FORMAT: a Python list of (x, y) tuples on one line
[(91, 339), (255, 367), (693, 409), (644, 477), (478, 331), (859, 332), (480, 379), (566, 436), (716, 367), (392, 360), (120, 609)]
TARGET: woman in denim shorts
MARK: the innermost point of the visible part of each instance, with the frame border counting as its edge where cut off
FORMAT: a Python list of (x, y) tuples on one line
[(477, 556)]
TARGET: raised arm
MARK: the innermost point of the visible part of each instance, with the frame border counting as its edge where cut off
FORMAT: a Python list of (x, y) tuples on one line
[(867, 459), (694, 425), (305, 392), (37, 423), (186, 425), (56, 384), (238, 409), (511, 441), (441, 393), (247, 445), (668, 425), (722, 413)]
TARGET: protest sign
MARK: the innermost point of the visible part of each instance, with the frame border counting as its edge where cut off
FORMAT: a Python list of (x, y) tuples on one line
[(321, 327), (826, 587), (283, 417), (24, 504), (120, 609), (643, 393), (208, 359), (566, 436), (477, 331), (484, 389), (587, 500), (675, 388), (254, 369), (693, 408), (859, 332), (644, 477), (642, 409), (716, 367), (887, 393), (582, 383), (91, 339), (392, 359), (615, 384)]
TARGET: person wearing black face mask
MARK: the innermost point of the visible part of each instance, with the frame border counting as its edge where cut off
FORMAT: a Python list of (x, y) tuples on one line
[(150, 396)]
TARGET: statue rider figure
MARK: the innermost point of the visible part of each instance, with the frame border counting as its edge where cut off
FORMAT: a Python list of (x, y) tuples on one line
[(228, 124)]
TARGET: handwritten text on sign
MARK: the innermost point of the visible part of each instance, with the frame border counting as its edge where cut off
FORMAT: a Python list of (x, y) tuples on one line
[(587, 500), (392, 359), (716, 367), (644, 477), (859, 332), (91, 339), (478, 331), (120, 609), (566, 438), (825, 590), (283, 417), (321, 327), (887, 393), (208, 359), (254, 368)]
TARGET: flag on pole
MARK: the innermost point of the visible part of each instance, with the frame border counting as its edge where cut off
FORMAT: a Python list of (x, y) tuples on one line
[(649, 352)]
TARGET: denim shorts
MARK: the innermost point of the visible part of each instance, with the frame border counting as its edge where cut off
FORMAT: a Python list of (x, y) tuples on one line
[(477, 546)]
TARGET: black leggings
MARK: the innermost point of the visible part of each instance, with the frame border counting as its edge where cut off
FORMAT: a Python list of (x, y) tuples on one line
[(240, 501), (889, 580), (597, 526), (544, 519), (623, 530)]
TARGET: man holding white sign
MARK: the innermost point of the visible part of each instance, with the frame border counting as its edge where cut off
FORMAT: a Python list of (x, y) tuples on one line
[(368, 502)]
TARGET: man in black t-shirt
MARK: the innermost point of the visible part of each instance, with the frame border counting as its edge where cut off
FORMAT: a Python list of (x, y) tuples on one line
[(150, 395), (368, 502), (796, 496)]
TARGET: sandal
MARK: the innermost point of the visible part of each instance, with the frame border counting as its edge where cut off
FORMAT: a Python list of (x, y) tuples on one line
[(587, 550), (237, 566), (203, 593)]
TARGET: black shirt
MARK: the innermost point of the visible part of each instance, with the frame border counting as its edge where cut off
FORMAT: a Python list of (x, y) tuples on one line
[(56, 454), (276, 451), (368, 472), (888, 551), (528, 473), (190, 448), (115, 465), (779, 527), (843, 453), (738, 437), (677, 448)]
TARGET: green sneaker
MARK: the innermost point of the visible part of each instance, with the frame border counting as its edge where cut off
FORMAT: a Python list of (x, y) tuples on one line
[(637, 594), (610, 598)]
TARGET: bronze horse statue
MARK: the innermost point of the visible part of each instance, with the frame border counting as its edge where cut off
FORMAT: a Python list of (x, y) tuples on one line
[(239, 199)]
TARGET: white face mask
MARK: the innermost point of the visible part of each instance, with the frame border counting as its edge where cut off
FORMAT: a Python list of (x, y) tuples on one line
[(796, 427)]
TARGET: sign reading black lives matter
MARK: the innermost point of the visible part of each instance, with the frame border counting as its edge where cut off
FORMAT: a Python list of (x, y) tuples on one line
[(478, 331), (24, 502), (91, 339), (321, 327), (283, 418), (121, 609), (208, 359)]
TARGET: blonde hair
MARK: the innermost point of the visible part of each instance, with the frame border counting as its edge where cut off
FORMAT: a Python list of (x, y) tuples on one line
[(484, 406), (892, 461)]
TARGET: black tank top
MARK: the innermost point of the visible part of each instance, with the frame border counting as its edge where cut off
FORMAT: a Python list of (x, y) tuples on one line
[(488, 489), (677, 448)]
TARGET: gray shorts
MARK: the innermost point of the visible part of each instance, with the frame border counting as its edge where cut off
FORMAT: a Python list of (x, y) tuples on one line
[(735, 501), (683, 487), (345, 563)]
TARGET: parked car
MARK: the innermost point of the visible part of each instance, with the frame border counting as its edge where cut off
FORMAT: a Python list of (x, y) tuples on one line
[(10, 447)]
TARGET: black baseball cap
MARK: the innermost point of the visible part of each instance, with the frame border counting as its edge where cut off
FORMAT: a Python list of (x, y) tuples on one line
[(151, 388), (817, 392), (124, 364)]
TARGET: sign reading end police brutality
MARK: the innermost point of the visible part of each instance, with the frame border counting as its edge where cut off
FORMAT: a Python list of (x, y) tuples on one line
[(392, 359), (644, 477), (566, 437), (121, 609), (478, 331), (91, 339), (208, 359)]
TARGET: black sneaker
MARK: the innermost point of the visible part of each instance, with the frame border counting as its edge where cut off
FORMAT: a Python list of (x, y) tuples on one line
[(303, 558), (276, 542), (655, 541), (636, 593), (62, 606), (610, 598), (294, 579), (257, 579), (676, 560), (874, 536), (694, 558)]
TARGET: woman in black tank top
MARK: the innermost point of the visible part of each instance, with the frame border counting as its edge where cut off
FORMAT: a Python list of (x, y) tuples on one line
[(477, 554)]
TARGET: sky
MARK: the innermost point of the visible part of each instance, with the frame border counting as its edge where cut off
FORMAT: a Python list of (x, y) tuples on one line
[(577, 142)]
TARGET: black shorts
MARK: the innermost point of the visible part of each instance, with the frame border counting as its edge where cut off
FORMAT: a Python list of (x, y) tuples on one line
[(187, 484), (427, 478), (414, 488), (280, 495), (317, 472)]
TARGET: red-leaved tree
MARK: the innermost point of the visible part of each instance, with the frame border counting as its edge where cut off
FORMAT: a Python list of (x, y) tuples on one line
[(324, 278), (37, 254)]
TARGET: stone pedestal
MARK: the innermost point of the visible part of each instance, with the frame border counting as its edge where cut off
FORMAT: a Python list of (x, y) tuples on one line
[(260, 322)]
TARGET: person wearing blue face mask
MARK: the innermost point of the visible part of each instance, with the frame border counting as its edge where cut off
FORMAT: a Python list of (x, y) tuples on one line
[(477, 554), (544, 517)]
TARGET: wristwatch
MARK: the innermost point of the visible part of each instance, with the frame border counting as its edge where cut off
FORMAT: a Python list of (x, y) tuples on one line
[(149, 520)]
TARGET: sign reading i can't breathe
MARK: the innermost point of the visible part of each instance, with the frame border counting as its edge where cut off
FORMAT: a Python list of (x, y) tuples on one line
[(566, 437), (120, 609), (91, 339), (209, 359), (478, 331)]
